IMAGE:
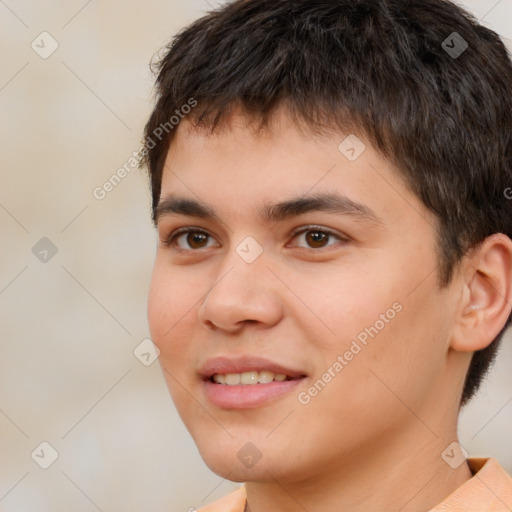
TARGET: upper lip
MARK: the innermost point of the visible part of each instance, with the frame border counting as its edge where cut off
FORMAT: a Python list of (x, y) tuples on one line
[(224, 365)]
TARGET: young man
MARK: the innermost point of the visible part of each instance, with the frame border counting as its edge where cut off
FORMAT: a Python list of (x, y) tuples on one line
[(333, 274)]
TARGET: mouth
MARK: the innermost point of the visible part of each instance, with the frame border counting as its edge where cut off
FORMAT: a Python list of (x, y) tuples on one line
[(247, 382), (248, 378)]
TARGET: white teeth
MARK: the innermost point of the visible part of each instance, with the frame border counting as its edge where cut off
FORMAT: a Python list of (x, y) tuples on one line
[(248, 378), (232, 379), (219, 378), (266, 377)]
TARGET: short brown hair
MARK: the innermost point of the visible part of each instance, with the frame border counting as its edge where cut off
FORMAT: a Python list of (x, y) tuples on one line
[(425, 82)]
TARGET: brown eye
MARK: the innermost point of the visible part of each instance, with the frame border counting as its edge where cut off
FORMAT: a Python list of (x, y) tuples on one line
[(190, 239), (317, 239), (196, 239)]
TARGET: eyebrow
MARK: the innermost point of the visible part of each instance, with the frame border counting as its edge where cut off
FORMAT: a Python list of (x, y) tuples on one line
[(273, 212)]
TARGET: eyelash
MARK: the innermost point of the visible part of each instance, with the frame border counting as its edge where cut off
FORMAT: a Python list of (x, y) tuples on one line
[(170, 241)]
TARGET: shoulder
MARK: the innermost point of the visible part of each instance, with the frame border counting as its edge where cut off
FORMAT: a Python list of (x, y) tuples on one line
[(233, 502), (490, 490)]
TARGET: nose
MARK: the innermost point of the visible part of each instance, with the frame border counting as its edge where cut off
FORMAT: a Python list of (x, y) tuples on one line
[(242, 293)]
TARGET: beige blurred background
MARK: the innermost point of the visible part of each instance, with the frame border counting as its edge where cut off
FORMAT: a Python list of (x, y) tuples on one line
[(71, 319)]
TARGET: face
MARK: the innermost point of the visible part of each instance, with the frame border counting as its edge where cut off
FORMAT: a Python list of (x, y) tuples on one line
[(292, 299)]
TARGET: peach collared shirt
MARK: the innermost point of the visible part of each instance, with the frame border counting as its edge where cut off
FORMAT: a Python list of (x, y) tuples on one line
[(489, 490)]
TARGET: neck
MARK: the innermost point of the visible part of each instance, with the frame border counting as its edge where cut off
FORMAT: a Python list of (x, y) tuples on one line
[(407, 474)]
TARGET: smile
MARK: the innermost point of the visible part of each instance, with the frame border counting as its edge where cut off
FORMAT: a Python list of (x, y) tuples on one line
[(249, 378), (247, 382)]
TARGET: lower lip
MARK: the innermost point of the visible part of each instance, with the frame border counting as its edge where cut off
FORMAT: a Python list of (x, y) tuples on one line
[(249, 395)]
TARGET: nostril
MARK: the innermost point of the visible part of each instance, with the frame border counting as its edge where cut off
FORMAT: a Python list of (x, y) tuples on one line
[(209, 325)]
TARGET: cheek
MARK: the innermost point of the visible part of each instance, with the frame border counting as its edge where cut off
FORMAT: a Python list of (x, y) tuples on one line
[(377, 322), (169, 318), (169, 306), (171, 293), (375, 384), (400, 359), (158, 306), (343, 303)]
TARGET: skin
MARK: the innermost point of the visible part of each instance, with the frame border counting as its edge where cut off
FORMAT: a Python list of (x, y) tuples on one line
[(372, 439)]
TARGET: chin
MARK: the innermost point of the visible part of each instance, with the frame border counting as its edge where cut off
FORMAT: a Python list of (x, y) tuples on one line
[(225, 464), (235, 459), (227, 471)]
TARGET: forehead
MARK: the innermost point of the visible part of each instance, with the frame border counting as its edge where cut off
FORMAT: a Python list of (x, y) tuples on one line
[(240, 166), (240, 146)]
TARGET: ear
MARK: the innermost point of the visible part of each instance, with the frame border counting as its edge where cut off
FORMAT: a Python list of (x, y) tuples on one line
[(487, 294)]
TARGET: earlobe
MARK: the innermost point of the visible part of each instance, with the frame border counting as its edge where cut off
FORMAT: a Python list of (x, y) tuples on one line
[(487, 296)]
